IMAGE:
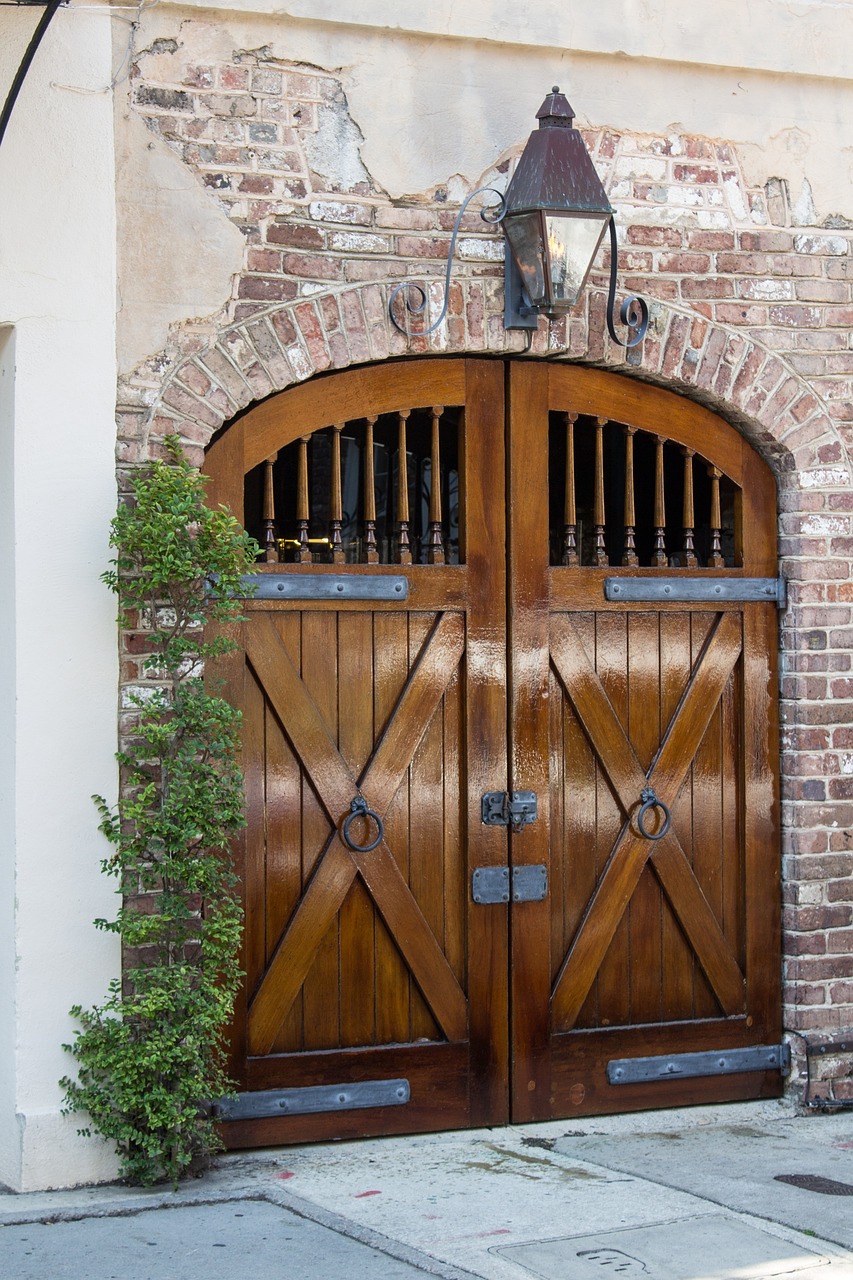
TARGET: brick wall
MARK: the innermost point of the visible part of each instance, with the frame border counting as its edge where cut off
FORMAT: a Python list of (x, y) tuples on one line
[(750, 314)]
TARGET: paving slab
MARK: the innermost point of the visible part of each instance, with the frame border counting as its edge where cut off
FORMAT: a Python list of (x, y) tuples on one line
[(738, 1164), (242, 1240)]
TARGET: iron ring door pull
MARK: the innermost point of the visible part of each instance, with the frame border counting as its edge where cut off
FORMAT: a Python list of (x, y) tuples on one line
[(360, 810), (650, 801)]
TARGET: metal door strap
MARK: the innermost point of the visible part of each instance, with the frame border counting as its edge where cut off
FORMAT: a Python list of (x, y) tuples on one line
[(696, 590), (681, 1066), (325, 1097)]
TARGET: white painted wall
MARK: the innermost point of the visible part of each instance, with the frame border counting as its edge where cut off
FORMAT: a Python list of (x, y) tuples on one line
[(58, 673)]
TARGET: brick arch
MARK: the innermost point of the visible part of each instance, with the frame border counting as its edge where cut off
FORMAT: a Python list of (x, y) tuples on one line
[(751, 385), (747, 383)]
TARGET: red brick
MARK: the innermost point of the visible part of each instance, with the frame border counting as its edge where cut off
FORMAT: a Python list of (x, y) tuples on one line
[(656, 237), (422, 247), (729, 313), (766, 241), (713, 287), (266, 289), (712, 240), (256, 183), (684, 263), (313, 267)]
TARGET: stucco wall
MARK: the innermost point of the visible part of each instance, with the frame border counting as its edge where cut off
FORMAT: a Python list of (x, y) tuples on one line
[(59, 670), (276, 172)]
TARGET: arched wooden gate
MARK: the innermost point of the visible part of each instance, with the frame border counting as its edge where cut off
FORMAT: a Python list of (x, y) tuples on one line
[(491, 588)]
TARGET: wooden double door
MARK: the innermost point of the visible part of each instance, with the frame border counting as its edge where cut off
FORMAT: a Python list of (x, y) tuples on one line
[(438, 621)]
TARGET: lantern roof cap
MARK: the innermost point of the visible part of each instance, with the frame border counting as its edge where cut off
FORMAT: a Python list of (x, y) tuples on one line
[(556, 111)]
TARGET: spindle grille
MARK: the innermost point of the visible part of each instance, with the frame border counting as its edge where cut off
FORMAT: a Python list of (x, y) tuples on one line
[(629, 498), (362, 492)]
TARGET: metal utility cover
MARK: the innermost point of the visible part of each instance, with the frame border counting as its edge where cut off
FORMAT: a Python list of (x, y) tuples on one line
[(707, 1247)]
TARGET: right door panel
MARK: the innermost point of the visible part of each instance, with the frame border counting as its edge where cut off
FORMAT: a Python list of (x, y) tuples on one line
[(646, 946)]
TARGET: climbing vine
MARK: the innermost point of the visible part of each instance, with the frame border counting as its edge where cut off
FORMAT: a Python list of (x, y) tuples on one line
[(151, 1058)]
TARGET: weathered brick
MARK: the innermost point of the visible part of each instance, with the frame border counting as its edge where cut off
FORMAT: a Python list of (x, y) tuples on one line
[(313, 266)]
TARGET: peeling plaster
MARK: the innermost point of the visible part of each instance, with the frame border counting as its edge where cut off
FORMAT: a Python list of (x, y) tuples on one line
[(177, 249)]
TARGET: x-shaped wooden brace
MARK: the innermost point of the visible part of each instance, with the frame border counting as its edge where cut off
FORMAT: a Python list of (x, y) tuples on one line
[(336, 785), (631, 851)]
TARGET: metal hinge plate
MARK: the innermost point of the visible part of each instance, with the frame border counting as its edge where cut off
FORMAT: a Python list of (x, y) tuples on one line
[(498, 884), (696, 590), (314, 1098), (681, 1066), (505, 809)]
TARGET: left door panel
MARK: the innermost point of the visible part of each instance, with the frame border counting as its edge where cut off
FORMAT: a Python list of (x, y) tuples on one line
[(374, 966)]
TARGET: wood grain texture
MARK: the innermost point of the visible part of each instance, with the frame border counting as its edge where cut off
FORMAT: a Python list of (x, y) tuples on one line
[(624, 868), (364, 965)]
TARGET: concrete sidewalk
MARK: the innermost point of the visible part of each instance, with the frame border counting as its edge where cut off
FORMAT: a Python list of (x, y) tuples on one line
[(680, 1195)]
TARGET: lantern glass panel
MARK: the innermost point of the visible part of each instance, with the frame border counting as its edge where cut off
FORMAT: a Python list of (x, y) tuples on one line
[(572, 243), (524, 232)]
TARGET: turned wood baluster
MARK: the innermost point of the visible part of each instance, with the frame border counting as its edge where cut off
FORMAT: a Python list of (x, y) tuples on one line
[(570, 517), (688, 519), (435, 552), (303, 551), (371, 555), (270, 537), (629, 555), (337, 501), (404, 551), (599, 551), (715, 559), (659, 559)]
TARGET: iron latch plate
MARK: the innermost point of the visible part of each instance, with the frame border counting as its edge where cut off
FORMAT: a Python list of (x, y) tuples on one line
[(490, 884), (530, 884), (504, 809), (499, 884), (314, 1098), (681, 1066)]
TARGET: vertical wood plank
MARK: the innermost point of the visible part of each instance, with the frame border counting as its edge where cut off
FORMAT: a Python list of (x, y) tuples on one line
[(483, 514), (707, 818), (582, 866), (284, 835), (645, 725), (254, 783), (356, 739), (320, 674), (677, 956), (611, 659), (455, 879), (426, 828), (391, 667), (528, 753)]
